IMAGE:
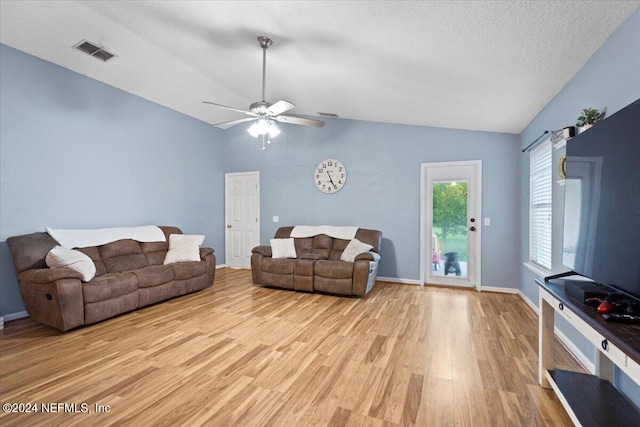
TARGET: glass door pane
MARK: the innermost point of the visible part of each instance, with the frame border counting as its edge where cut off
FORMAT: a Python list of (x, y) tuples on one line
[(449, 227)]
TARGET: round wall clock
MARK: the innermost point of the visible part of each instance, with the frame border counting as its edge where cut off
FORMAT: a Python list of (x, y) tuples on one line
[(330, 176)]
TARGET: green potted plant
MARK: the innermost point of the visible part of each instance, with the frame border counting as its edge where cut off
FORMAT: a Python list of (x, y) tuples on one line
[(588, 117)]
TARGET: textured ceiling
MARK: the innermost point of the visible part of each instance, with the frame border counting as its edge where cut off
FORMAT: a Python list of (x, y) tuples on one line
[(485, 65)]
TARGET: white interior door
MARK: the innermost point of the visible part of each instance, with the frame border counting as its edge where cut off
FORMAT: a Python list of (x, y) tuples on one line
[(450, 223), (242, 213)]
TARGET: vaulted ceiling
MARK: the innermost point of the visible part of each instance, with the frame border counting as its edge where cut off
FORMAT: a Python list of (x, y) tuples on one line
[(482, 65)]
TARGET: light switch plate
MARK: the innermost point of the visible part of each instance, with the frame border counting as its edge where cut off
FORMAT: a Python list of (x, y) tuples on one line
[(276, 218), (487, 221)]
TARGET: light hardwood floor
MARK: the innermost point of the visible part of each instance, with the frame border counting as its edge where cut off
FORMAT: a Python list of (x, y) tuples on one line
[(241, 355)]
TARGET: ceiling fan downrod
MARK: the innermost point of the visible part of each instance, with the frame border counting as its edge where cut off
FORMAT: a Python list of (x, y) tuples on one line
[(265, 42)]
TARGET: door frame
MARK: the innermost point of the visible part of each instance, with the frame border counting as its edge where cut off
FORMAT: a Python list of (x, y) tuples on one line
[(227, 240), (425, 232)]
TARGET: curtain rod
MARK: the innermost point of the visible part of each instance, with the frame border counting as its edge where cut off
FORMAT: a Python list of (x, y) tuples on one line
[(534, 142)]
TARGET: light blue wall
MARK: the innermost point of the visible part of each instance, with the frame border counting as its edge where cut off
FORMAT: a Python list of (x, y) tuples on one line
[(76, 153), (611, 79), (383, 185)]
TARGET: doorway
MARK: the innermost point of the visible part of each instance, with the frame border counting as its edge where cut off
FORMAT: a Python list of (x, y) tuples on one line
[(242, 217), (450, 229)]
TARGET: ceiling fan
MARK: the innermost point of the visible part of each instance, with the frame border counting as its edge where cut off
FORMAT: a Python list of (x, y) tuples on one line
[(264, 113)]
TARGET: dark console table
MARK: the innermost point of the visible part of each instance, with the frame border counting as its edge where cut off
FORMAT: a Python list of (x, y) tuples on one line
[(590, 400)]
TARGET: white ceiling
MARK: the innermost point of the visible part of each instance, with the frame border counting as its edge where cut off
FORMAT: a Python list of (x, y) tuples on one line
[(482, 65)]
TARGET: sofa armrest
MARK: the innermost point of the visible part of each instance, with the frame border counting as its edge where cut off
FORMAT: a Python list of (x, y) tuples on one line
[(205, 251), (368, 256), (48, 275), (263, 250)]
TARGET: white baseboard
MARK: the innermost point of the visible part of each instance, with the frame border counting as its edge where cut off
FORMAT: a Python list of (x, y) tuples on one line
[(529, 302), (221, 266), (12, 316), (398, 280), (417, 282), (499, 290), (564, 340)]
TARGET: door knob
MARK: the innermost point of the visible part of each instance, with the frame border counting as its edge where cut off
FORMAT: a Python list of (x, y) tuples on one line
[(228, 225), (472, 228), (472, 220)]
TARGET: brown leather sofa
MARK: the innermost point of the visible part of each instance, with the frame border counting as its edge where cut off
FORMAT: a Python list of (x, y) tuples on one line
[(318, 266), (129, 275)]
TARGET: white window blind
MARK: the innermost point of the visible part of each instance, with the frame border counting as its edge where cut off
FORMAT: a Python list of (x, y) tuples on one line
[(541, 181)]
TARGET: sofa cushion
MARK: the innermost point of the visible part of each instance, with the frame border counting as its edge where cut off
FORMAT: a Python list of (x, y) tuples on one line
[(277, 266), (303, 244), (109, 286), (155, 252), (122, 255), (322, 241), (183, 248), (94, 253), (333, 286), (154, 275), (334, 270), (338, 246), (283, 248), (59, 257), (187, 270), (315, 254), (354, 248)]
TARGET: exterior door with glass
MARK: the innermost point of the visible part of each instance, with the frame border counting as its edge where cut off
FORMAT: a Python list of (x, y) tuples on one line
[(450, 223)]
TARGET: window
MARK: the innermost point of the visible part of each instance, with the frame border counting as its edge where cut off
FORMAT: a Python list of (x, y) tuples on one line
[(541, 182)]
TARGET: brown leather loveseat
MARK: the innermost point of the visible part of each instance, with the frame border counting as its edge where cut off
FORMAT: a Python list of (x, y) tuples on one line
[(317, 266), (129, 275)]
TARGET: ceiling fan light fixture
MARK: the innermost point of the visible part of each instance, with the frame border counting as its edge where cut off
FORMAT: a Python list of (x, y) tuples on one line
[(274, 129), (264, 126), (253, 131)]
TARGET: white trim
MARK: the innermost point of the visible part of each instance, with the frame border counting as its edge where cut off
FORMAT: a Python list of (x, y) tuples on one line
[(15, 316), (425, 241), (564, 340), (398, 280), (221, 266), (530, 303), (499, 290), (538, 270), (12, 316)]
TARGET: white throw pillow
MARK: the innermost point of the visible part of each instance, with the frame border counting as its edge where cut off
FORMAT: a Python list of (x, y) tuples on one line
[(283, 248), (183, 248), (353, 249), (59, 257)]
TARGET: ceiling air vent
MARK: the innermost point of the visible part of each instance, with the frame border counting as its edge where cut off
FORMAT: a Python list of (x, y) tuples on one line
[(328, 115), (93, 50)]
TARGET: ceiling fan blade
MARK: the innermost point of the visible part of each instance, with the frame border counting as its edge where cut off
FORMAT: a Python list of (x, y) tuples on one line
[(299, 121), (280, 107), (227, 125), (249, 113)]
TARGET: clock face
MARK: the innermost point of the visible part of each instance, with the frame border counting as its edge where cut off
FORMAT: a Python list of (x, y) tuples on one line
[(330, 176)]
